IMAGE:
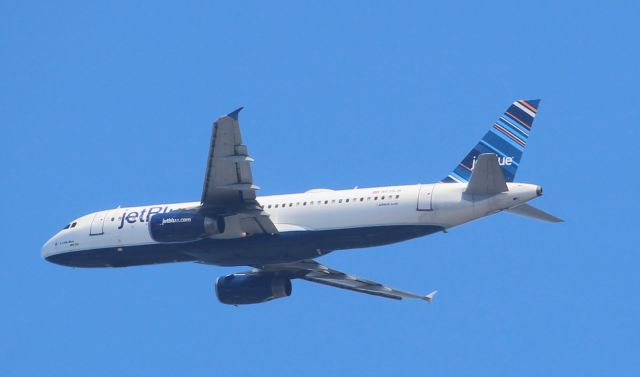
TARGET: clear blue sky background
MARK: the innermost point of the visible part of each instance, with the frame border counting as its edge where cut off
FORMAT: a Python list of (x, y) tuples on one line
[(110, 103)]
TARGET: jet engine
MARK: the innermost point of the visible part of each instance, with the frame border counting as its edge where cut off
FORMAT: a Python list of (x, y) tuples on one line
[(251, 288), (184, 226)]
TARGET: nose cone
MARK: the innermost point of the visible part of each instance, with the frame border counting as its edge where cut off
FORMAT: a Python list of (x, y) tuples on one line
[(48, 248)]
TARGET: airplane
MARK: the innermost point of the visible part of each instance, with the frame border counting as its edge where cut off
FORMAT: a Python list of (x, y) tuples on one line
[(280, 236)]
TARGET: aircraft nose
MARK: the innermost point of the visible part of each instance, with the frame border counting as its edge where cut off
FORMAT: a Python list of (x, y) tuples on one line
[(47, 249)]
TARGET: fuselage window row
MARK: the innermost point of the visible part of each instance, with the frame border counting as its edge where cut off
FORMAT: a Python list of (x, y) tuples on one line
[(333, 201)]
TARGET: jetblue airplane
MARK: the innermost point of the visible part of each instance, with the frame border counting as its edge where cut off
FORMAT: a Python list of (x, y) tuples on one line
[(280, 236)]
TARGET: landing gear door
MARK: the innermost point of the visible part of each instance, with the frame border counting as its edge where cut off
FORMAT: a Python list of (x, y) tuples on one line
[(97, 224), (425, 198)]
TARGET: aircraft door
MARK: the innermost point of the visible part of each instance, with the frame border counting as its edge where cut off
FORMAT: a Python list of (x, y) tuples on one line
[(425, 198), (97, 224)]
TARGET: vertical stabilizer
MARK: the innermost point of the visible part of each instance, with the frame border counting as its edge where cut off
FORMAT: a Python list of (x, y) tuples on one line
[(506, 138)]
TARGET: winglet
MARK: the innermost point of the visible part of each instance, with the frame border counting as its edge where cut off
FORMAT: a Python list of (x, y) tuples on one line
[(234, 113), (429, 297)]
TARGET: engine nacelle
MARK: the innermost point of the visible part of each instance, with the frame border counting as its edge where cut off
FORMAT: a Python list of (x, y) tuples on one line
[(251, 288), (183, 226)]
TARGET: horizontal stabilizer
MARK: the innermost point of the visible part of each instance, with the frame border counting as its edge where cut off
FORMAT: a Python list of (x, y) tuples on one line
[(530, 211), (430, 296), (487, 177)]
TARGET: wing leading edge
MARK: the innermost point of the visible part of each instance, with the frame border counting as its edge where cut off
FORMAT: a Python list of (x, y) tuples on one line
[(313, 271)]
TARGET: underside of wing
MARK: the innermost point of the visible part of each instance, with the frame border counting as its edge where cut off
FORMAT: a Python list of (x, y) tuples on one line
[(315, 272)]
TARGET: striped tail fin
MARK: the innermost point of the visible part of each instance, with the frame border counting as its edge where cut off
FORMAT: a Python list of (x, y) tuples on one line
[(507, 139)]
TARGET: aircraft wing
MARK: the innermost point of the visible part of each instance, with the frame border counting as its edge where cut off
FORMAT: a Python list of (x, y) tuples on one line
[(228, 183), (315, 272)]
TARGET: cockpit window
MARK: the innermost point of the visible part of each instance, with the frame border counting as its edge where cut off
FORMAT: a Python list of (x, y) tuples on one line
[(70, 225)]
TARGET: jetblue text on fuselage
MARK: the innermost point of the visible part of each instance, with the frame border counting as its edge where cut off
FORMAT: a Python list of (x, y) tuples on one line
[(142, 216)]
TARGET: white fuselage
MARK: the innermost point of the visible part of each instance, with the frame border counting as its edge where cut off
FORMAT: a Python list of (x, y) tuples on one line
[(443, 205)]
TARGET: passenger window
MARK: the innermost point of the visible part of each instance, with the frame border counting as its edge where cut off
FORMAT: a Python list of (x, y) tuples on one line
[(375, 198), (382, 198), (304, 204), (297, 204), (290, 204), (276, 206), (269, 206), (397, 196), (326, 202), (361, 199), (347, 201), (333, 201)]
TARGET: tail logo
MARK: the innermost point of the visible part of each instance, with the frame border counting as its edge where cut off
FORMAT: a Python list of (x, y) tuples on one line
[(506, 138), (502, 161)]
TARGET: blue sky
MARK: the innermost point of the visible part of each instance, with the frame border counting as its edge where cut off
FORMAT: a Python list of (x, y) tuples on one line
[(110, 103)]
